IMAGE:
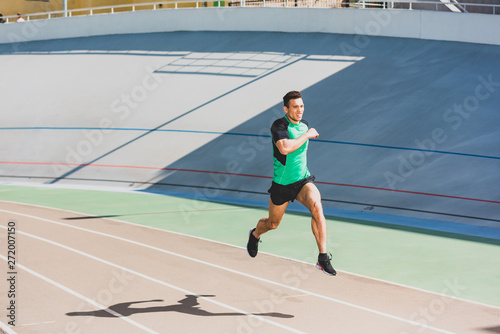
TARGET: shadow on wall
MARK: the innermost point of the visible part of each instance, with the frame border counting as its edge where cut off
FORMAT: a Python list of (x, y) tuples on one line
[(393, 120), (404, 124)]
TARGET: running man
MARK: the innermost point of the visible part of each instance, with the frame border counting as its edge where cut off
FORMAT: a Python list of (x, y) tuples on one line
[(292, 180)]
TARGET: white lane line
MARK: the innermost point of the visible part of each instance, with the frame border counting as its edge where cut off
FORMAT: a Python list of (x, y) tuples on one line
[(133, 272), (38, 323), (408, 321), (6, 328), (82, 297)]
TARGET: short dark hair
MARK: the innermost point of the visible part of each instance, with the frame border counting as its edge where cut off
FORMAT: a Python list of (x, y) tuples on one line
[(291, 96)]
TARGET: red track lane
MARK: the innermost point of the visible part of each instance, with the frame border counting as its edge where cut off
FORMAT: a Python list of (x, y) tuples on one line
[(239, 174)]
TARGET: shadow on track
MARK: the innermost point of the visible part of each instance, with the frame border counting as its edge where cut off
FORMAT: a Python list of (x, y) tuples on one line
[(188, 305)]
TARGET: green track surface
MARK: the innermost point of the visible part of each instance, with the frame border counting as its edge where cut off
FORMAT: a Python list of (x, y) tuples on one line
[(458, 266)]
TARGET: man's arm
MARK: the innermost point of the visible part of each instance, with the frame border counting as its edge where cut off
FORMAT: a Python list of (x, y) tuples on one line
[(286, 146)]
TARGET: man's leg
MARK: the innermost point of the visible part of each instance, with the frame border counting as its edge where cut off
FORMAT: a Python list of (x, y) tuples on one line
[(276, 213), (309, 196)]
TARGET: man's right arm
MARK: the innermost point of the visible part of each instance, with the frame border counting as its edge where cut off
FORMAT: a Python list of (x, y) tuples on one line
[(287, 146)]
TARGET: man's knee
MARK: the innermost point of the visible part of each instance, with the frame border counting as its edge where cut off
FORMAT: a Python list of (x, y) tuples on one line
[(316, 208), (273, 224)]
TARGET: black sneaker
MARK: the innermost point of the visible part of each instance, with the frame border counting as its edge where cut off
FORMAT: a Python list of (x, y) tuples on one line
[(324, 264), (253, 244)]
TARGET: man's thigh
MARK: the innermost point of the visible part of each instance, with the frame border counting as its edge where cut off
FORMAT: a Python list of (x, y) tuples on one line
[(276, 212), (309, 195)]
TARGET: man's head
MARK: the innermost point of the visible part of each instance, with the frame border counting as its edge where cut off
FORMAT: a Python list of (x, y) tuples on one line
[(292, 95), (293, 106)]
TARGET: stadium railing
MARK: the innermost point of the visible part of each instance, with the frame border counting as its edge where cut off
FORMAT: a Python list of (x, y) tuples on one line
[(444, 5)]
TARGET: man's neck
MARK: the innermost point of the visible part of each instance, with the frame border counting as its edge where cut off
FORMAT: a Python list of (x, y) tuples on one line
[(291, 120)]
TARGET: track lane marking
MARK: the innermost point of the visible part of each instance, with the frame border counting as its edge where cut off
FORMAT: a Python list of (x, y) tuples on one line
[(79, 166), (6, 328), (251, 135), (302, 291), (80, 296), (38, 323), (152, 279)]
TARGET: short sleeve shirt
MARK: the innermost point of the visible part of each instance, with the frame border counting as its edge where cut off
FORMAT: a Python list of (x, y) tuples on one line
[(292, 167)]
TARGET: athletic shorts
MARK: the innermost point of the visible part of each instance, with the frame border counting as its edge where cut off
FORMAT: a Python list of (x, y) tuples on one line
[(281, 194)]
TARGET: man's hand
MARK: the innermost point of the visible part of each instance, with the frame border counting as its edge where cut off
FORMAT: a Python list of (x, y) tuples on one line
[(312, 133)]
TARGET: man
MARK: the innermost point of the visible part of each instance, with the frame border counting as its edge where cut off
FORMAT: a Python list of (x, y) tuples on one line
[(292, 180)]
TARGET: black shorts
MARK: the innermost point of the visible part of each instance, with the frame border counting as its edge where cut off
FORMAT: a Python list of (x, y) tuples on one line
[(281, 194)]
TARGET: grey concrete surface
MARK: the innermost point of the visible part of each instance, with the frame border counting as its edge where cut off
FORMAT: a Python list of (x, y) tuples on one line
[(416, 116)]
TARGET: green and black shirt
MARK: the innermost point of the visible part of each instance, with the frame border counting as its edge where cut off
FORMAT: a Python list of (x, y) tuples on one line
[(292, 167)]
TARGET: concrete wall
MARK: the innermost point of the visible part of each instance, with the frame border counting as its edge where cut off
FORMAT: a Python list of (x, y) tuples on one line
[(191, 111), (408, 126), (473, 28)]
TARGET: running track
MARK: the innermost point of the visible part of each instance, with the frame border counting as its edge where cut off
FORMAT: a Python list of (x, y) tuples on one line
[(102, 275)]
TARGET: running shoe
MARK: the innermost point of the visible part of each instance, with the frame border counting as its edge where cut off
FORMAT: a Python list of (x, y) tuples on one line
[(324, 264), (253, 244)]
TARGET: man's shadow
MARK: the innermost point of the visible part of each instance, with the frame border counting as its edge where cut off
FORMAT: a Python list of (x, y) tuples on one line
[(188, 305)]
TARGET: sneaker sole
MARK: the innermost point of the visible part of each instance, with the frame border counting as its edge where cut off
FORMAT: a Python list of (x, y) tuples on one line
[(323, 270)]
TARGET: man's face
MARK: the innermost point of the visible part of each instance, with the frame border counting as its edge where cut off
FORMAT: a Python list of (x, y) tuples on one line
[(295, 110)]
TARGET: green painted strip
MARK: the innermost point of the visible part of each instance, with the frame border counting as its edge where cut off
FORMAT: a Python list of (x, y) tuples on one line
[(457, 267)]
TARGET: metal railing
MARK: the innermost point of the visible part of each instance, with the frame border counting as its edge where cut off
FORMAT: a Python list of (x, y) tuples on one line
[(444, 5)]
